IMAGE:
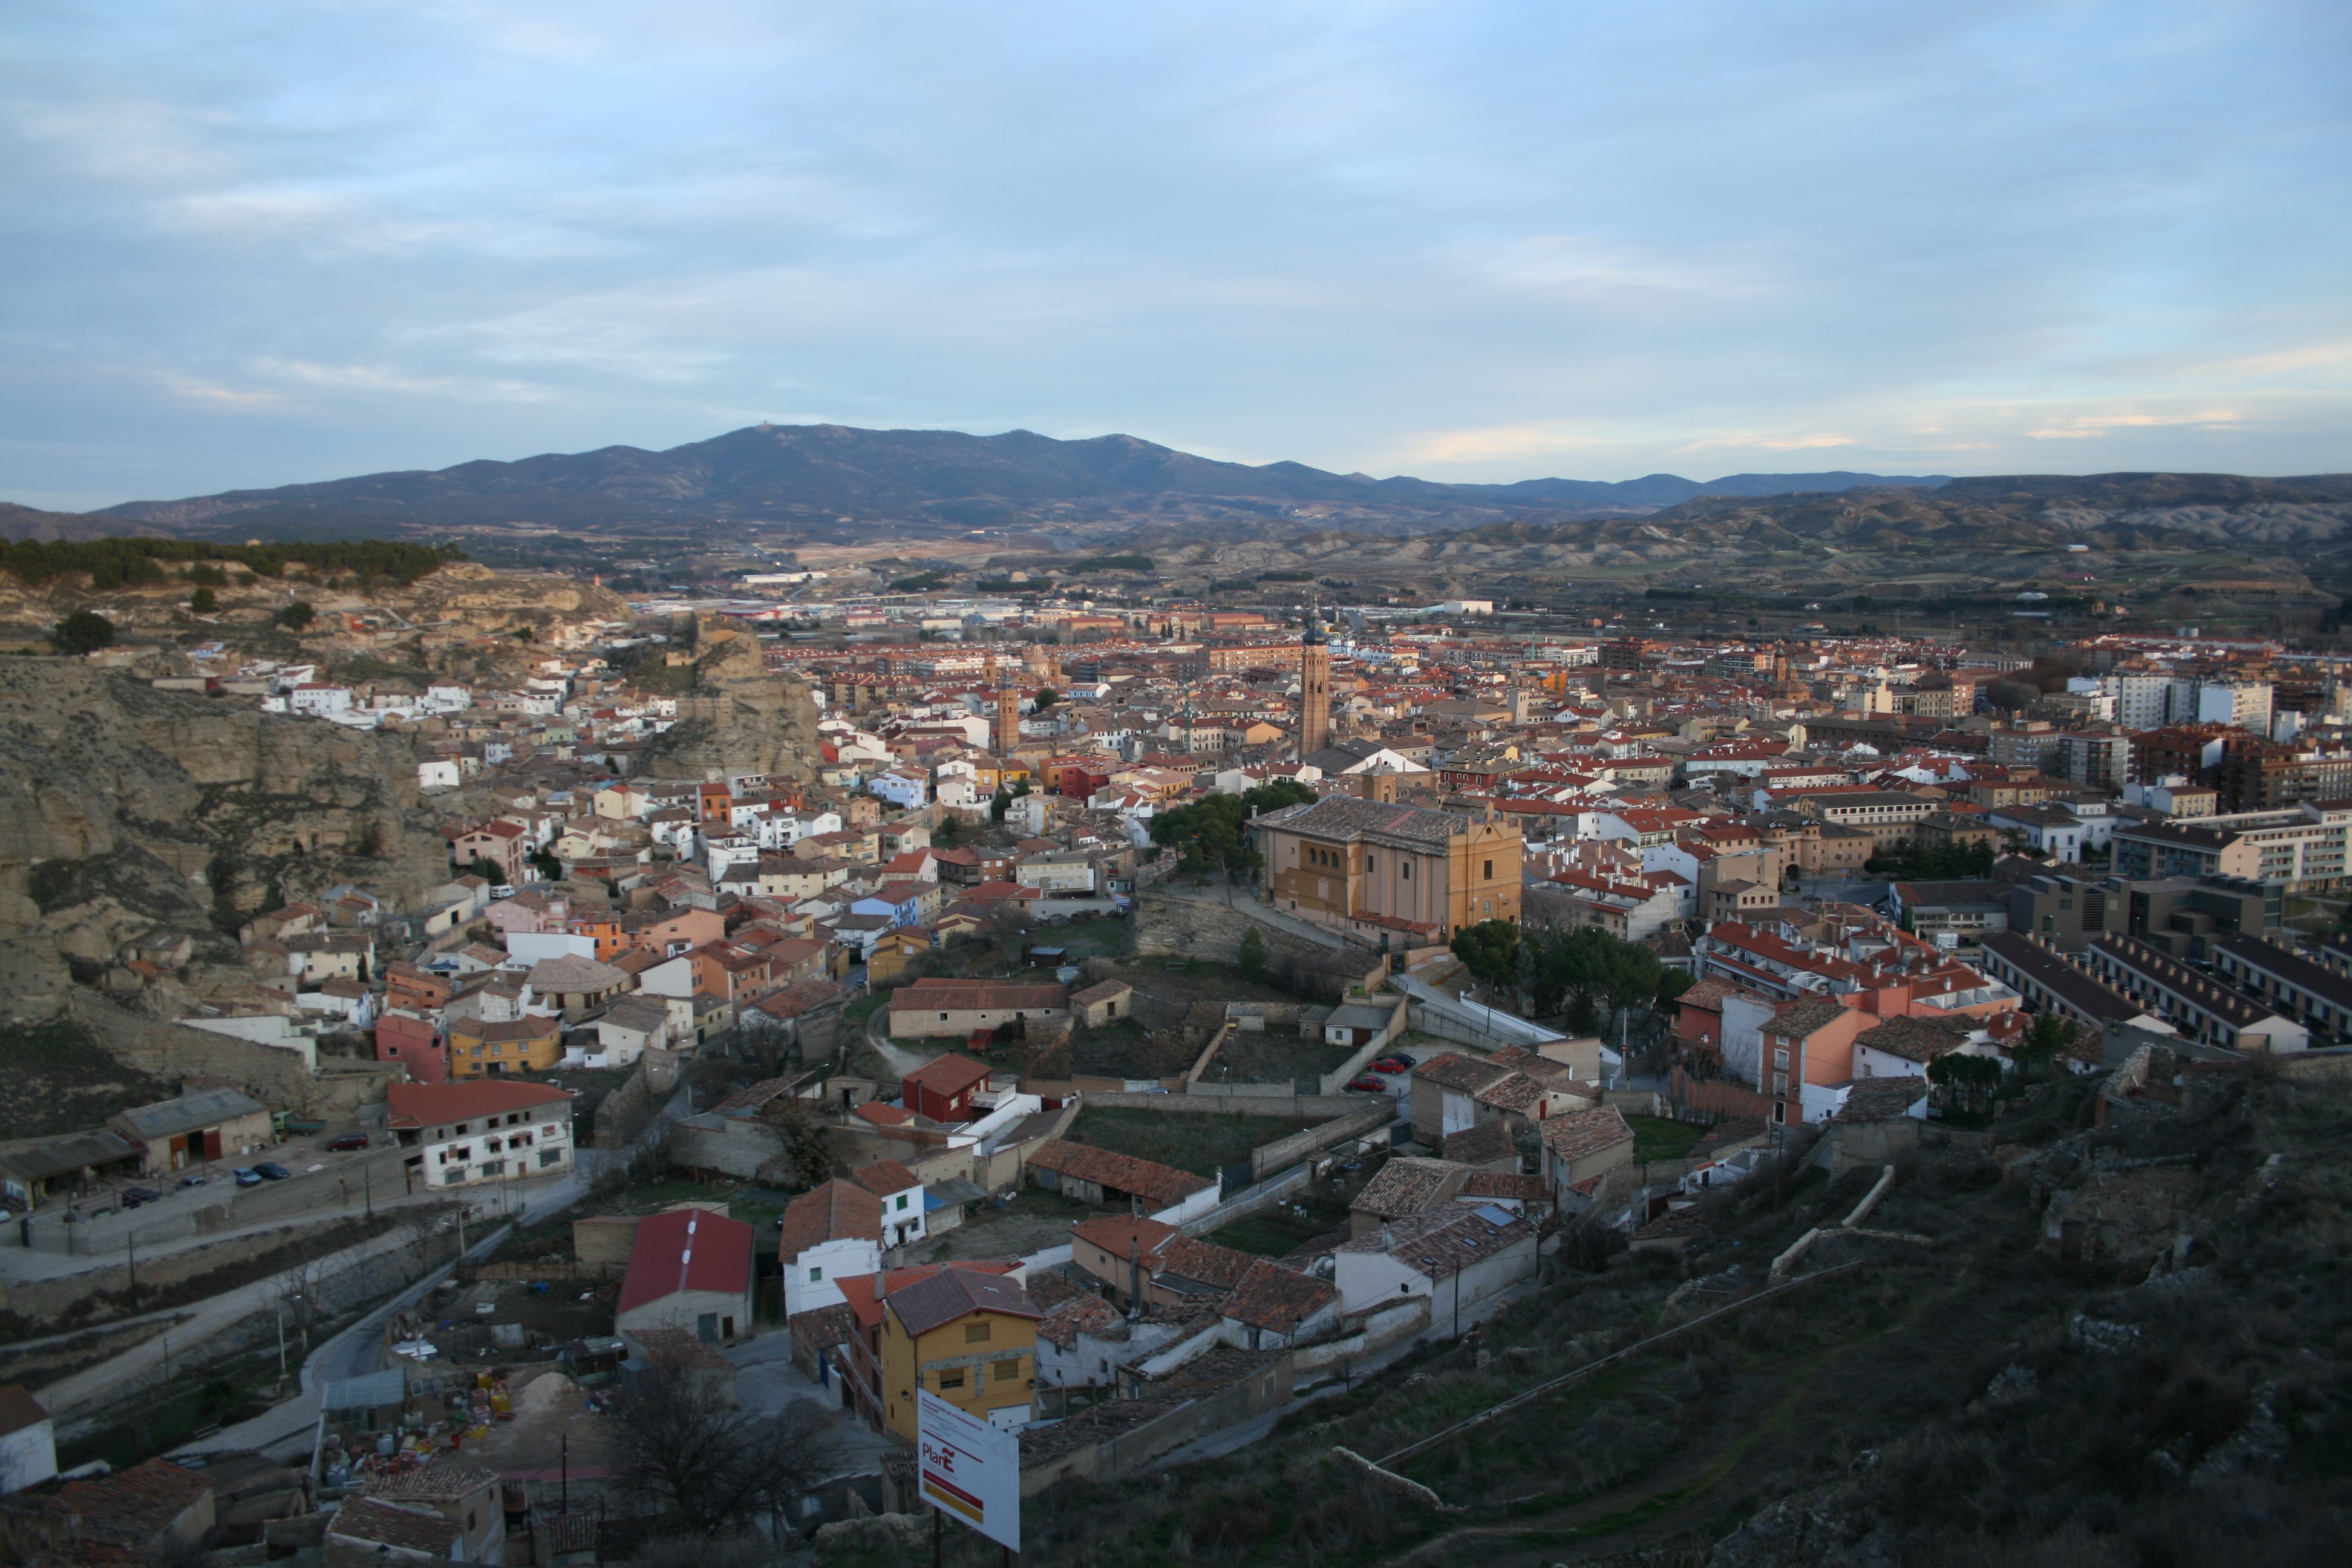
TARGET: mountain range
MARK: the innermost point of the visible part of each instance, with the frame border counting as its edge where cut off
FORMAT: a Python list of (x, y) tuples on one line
[(931, 478)]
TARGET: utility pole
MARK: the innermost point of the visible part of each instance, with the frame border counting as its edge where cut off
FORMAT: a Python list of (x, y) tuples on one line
[(130, 1267)]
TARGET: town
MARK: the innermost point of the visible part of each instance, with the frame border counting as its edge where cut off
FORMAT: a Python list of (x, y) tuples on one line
[(1128, 1021)]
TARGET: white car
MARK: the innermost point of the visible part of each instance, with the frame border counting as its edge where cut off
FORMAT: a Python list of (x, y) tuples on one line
[(503, 890)]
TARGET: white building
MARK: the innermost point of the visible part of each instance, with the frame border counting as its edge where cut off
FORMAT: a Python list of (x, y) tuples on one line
[(28, 1442), (828, 1234), (458, 1134), (317, 697), (1453, 1255)]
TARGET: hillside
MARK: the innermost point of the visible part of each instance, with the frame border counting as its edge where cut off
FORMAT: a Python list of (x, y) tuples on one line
[(1976, 1388), (814, 474)]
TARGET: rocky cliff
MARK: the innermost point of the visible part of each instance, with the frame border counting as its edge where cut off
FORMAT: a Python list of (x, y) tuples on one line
[(737, 717), (142, 822)]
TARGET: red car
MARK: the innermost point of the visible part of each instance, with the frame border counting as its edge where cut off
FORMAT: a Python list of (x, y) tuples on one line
[(1388, 1064), (348, 1140), (1368, 1084)]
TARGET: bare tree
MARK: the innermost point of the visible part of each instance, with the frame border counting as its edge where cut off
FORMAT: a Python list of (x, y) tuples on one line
[(681, 1443)]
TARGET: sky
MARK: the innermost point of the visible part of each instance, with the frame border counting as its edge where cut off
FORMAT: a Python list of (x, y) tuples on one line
[(273, 241)]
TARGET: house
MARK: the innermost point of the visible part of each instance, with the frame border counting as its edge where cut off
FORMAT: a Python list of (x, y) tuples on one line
[(1445, 1090), (934, 1008), (367, 1530), (1405, 1187), (459, 1133), (943, 1088), (411, 1039), (631, 1026), (901, 1192), (826, 1235), (31, 1176), (28, 1441), (1488, 1146), (1100, 1177), (533, 1043), (1454, 1256), (1273, 1307), (966, 1334), (1100, 1004), (155, 1511), (577, 984), (465, 1498), (210, 1124), (689, 1272), (1119, 1252), (1580, 1147)]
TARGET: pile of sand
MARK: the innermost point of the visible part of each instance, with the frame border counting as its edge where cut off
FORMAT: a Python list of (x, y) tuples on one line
[(543, 1394)]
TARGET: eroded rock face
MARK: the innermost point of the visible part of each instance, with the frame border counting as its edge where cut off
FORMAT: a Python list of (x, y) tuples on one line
[(126, 812), (739, 717)]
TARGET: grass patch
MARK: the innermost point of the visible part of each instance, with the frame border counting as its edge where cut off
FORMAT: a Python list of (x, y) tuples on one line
[(1189, 1142), (1662, 1138), (1278, 1232), (60, 1080)]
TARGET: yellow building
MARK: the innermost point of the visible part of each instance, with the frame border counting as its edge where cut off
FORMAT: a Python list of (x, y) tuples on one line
[(1379, 867), (477, 1049), (965, 1332)]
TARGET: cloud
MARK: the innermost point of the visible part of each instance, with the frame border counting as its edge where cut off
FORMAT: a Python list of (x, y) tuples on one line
[(2089, 426)]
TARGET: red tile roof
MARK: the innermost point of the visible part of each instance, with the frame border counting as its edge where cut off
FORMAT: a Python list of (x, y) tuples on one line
[(830, 1211), (946, 1076), (414, 1105)]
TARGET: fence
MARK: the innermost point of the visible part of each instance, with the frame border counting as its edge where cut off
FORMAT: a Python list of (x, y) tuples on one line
[(1716, 1097)]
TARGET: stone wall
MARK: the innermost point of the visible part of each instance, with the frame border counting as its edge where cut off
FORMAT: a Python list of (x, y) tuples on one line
[(1269, 1157), (1184, 928)]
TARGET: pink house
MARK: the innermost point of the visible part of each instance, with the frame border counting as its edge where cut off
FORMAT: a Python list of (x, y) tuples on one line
[(413, 1042)]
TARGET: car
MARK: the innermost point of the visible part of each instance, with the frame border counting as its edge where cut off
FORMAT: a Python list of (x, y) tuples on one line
[(1388, 1064), (347, 1141), (271, 1170), (195, 1179), (246, 1176), (133, 1196), (1368, 1084), (503, 890), (1407, 1057)]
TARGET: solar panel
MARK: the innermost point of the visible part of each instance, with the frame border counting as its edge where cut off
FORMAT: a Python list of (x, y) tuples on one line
[(1497, 1217)]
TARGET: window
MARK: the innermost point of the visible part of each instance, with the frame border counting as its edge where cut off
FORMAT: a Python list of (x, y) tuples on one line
[(1406, 870), (494, 1167), (975, 1333), (451, 1178), (815, 1275), (902, 1200), (943, 1018), (1490, 870), (551, 1156), (1005, 1372), (950, 1380)]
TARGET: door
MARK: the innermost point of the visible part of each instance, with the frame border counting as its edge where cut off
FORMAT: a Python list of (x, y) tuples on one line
[(706, 1328)]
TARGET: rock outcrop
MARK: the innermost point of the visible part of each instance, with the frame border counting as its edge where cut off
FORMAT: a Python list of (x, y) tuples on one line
[(737, 717), (131, 816)]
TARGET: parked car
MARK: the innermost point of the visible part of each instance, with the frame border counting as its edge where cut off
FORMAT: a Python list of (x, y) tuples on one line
[(1388, 1064), (193, 1179), (348, 1140), (133, 1196), (246, 1176), (1368, 1084), (503, 890), (271, 1170), (1407, 1057)]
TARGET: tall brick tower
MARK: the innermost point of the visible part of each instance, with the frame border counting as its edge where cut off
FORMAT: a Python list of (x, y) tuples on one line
[(1314, 685), (1008, 714)]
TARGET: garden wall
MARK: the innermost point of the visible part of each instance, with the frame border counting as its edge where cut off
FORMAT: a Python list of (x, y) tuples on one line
[(1273, 1156)]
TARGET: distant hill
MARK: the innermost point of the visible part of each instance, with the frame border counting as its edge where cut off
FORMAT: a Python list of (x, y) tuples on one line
[(938, 477), (29, 522)]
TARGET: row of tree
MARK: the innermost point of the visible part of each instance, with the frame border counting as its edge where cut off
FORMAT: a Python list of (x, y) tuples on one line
[(120, 562), (1576, 971), (1210, 834)]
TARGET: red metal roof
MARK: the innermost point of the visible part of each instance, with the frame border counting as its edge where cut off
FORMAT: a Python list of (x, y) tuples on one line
[(686, 1249)]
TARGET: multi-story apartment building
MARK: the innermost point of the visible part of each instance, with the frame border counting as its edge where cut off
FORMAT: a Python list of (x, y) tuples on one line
[(458, 1134), (2302, 849)]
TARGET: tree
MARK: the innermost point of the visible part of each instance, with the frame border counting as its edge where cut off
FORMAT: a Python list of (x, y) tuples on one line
[(1253, 956), (807, 1156), (84, 631), (681, 1443), (1209, 832), (1046, 697), (2046, 1039), (1969, 1080), (549, 867), (297, 616), (1490, 950), (949, 832), (203, 602)]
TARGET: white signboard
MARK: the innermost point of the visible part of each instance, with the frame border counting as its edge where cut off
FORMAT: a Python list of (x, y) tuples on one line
[(969, 1468)]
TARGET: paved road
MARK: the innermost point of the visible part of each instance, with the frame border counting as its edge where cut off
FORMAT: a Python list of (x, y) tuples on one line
[(769, 1382)]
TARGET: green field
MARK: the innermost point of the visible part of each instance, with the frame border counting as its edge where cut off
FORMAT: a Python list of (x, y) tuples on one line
[(1203, 1144)]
